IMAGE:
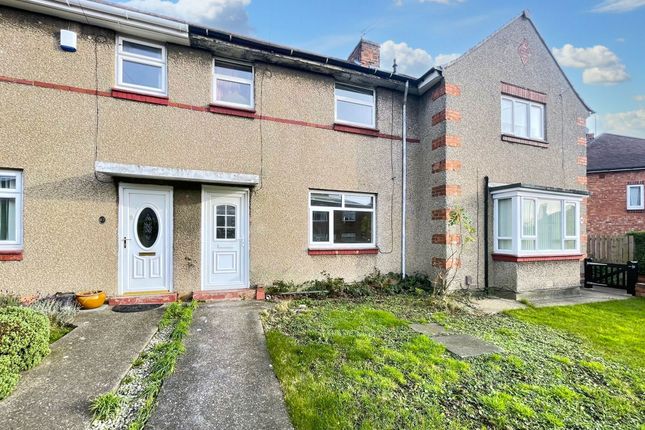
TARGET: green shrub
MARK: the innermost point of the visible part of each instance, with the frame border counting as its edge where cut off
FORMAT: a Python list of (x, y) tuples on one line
[(8, 377), (24, 337), (639, 250)]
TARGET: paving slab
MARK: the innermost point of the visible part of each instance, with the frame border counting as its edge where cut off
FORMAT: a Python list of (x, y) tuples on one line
[(225, 379), (465, 346), (429, 329), (87, 362)]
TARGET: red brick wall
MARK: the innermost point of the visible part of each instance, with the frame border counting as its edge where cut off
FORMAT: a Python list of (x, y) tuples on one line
[(607, 207)]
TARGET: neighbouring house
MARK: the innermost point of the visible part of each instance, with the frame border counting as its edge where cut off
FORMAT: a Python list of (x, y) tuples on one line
[(145, 155), (616, 181)]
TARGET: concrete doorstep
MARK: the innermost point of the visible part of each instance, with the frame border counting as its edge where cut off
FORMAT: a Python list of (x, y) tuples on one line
[(89, 361)]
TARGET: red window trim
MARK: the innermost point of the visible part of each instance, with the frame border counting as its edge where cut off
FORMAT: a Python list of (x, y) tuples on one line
[(360, 251), (11, 256), (138, 97), (225, 110), (524, 141), (356, 130), (516, 259)]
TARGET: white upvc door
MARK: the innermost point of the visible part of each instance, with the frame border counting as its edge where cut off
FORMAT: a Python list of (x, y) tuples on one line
[(225, 227), (145, 238)]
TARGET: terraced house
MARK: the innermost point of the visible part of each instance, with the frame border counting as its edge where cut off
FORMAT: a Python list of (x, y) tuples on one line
[(141, 155)]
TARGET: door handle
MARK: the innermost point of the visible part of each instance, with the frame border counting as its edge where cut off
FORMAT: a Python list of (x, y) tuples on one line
[(125, 242)]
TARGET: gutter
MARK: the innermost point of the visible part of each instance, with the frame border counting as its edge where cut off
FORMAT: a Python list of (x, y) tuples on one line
[(625, 169), (104, 15)]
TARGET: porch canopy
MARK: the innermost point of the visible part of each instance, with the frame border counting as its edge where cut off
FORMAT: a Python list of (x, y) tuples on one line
[(175, 174)]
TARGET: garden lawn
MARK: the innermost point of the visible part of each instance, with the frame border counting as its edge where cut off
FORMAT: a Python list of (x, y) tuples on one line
[(357, 365), (616, 328)]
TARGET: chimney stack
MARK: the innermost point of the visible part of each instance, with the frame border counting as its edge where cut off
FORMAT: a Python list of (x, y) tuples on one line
[(367, 54)]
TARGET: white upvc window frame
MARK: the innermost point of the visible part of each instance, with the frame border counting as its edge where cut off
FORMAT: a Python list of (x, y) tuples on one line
[(641, 188), (18, 195), (357, 102), (216, 77), (515, 101), (330, 244), (517, 196), (141, 59)]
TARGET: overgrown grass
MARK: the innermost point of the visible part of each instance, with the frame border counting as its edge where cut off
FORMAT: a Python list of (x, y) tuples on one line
[(357, 364), (160, 360), (56, 332), (615, 328), (106, 406)]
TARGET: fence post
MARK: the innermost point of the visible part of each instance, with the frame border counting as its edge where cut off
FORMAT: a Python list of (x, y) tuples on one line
[(632, 277), (587, 272)]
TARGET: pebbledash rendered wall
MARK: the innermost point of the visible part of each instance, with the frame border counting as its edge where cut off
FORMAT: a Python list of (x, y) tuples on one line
[(55, 133), (608, 214), (473, 148)]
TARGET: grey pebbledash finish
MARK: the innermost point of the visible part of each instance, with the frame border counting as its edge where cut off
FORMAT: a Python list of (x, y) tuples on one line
[(89, 361), (225, 379)]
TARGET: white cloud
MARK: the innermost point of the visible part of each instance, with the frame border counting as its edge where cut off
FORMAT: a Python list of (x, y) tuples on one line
[(223, 14), (617, 6), (600, 64), (410, 61), (630, 123)]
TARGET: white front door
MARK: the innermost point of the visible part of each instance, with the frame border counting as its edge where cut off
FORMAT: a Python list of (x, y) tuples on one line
[(224, 238), (145, 238)]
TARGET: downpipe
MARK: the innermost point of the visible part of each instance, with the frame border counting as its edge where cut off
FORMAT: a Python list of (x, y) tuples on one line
[(404, 180)]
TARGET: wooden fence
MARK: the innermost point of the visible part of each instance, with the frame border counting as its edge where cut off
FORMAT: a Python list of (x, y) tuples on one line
[(611, 249)]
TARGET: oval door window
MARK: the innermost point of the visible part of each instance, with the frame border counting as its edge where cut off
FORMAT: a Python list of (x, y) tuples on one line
[(147, 227)]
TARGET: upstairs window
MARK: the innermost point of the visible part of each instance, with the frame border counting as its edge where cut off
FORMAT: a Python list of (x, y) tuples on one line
[(527, 222), (141, 66), (355, 106), (10, 210), (341, 220), (635, 196), (522, 118), (232, 84)]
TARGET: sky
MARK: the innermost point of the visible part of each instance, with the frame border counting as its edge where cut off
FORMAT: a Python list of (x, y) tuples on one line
[(599, 43)]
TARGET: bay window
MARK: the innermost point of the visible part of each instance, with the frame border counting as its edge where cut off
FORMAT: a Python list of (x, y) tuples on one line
[(341, 220), (522, 118), (533, 222), (10, 210)]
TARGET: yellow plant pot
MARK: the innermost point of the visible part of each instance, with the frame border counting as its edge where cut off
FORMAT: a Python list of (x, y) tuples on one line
[(90, 299)]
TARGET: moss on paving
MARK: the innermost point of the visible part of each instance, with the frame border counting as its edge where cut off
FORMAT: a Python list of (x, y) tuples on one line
[(349, 364)]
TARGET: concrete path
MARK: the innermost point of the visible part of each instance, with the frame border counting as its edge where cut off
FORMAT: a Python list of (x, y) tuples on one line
[(225, 379), (87, 362), (492, 305)]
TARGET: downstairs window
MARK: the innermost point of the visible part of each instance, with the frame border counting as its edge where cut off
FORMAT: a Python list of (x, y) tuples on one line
[(527, 222), (341, 220), (10, 210)]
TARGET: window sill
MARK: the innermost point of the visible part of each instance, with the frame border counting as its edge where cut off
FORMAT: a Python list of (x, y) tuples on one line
[(516, 259), (365, 131), (11, 256), (524, 141), (139, 97), (227, 110), (342, 251)]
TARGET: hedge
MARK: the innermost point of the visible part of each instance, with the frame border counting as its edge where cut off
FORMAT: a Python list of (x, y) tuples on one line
[(24, 341), (639, 250)]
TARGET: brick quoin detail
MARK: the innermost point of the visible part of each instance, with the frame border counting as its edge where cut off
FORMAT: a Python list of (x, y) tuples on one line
[(444, 88), (446, 190), (446, 140), (581, 122), (524, 93), (445, 264), (582, 141), (582, 161), (446, 115), (582, 180), (446, 165), (446, 239), (441, 214), (607, 212)]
